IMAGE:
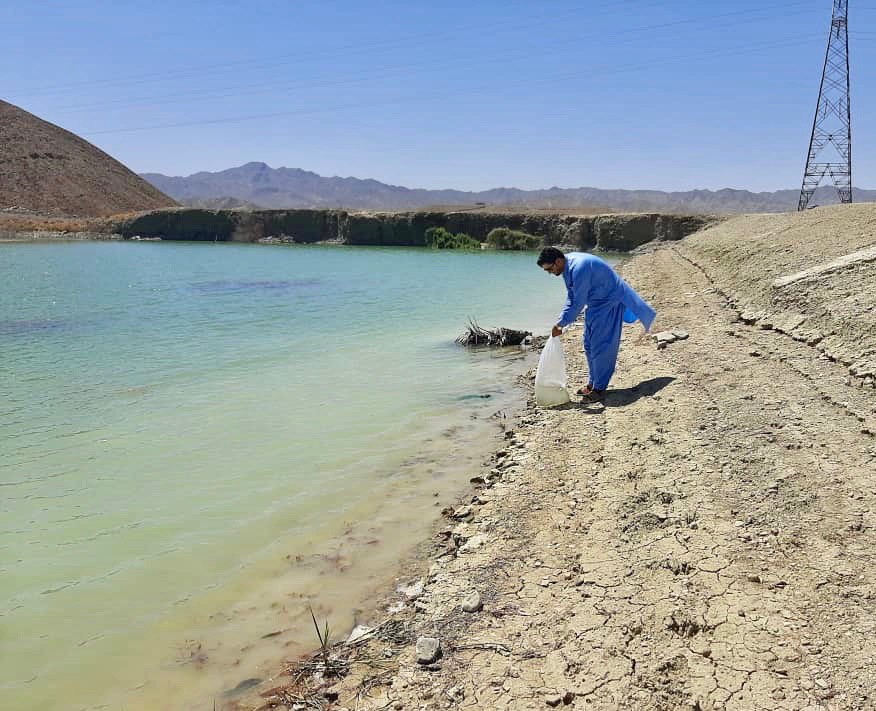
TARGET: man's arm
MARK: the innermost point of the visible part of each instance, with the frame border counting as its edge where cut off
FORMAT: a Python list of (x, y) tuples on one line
[(576, 297)]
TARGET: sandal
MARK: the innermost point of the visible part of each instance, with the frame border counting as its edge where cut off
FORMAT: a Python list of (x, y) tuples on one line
[(594, 396), (586, 390)]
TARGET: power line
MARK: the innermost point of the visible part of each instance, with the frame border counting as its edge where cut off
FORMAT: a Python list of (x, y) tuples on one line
[(603, 70), (390, 71), (334, 52), (160, 76)]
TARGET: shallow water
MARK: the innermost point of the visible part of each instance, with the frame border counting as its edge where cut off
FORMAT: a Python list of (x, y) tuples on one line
[(199, 440)]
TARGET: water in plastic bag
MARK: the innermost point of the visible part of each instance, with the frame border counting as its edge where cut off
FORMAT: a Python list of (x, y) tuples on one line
[(550, 377)]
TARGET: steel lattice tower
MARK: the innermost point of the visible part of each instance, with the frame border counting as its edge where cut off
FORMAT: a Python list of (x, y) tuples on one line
[(830, 146)]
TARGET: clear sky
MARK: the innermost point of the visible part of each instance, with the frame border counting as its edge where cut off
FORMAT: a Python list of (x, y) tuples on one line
[(669, 94)]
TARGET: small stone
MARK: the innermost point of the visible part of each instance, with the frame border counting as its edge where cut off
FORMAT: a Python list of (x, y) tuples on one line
[(665, 337), (428, 650), (568, 698), (553, 700), (456, 694), (359, 632), (753, 578), (462, 512), (679, 334), (414, 590), (473, 543), (473, 602)]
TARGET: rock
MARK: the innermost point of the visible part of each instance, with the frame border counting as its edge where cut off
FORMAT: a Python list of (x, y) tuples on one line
[(568, 698), (456, 694), (428, 650), (553, 700), (679, 334), (473, 543), (414, 590), (462, 512), (665, 337), (360, 632), (473, 602)]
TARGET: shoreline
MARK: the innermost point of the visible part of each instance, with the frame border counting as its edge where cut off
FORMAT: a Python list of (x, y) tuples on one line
[(703, 541), (394, 598)]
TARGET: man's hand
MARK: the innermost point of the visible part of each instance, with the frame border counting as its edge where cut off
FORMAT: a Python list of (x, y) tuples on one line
[(557, 331)]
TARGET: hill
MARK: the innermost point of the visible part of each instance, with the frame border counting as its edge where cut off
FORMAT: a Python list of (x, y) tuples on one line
[(46, 169), (269, 187)]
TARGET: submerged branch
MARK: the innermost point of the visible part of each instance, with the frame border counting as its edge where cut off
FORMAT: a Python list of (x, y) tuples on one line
[(475, 335)]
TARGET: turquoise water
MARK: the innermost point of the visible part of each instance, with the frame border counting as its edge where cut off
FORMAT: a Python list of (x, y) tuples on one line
[(180, 421)]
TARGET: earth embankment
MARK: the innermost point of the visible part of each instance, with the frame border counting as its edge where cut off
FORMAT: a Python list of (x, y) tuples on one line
[(703, 540), (811, 275)]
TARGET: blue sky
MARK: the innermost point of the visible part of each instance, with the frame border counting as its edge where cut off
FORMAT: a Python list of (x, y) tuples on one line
[(670, 95)]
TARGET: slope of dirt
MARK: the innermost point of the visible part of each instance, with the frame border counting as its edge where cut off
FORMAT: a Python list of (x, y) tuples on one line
[(706, 540), (45, 169), (810, 275)]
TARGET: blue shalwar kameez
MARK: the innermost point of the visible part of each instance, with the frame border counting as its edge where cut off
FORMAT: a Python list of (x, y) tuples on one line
[(591, 282)]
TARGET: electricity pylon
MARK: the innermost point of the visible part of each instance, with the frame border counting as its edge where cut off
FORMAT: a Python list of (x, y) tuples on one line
[(830, 146)]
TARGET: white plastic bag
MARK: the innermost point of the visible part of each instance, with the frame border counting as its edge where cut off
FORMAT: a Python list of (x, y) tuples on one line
[(550, 377)]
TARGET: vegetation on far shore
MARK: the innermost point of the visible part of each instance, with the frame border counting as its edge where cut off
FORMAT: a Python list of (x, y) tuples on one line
[(498, 238), (440, 238), (505, 238)]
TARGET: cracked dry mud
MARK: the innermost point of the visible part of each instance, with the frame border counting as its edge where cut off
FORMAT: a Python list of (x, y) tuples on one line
[(706, 540)]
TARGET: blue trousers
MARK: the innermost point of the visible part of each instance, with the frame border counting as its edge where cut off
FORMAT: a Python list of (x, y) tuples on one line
[(602, 336)]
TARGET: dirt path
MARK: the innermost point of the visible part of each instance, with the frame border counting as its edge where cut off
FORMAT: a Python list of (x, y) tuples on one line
[(704, 541)]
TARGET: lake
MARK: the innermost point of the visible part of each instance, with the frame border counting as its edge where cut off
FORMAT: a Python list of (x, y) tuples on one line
[(201, 440)]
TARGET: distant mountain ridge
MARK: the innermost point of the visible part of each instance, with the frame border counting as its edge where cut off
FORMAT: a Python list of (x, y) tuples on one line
[(259, 184)]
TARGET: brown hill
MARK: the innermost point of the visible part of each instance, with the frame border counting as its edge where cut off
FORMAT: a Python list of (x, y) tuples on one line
[(45, 169)]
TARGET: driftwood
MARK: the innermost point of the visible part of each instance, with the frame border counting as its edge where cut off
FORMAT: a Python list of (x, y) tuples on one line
[(477, 336)]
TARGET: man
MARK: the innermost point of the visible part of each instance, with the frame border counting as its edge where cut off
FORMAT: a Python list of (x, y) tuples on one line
[(591, 282)]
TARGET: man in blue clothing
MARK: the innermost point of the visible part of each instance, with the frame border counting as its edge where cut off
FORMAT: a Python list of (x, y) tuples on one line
[(592, 283)]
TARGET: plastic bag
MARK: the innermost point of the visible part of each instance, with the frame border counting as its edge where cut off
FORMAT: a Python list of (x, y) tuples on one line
[(550, 377)]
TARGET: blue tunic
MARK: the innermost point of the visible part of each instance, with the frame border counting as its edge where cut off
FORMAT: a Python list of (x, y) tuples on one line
[(591, 282)]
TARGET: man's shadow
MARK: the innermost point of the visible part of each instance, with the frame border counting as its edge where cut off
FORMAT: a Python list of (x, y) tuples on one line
[(627, 396), (622, 396)]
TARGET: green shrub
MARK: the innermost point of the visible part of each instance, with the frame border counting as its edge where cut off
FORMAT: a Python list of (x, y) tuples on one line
[(504, 238), (440, 238)]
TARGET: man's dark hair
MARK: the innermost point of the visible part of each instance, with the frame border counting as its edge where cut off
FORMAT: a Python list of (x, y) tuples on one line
[(549, 255)]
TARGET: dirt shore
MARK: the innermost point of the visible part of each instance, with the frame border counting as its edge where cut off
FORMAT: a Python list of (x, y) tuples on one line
[(705, 540)]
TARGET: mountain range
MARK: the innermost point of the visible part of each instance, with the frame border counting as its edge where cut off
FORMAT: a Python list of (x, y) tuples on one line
[(258, 185)]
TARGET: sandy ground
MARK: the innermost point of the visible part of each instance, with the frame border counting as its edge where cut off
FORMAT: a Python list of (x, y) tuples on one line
[(705, 540)]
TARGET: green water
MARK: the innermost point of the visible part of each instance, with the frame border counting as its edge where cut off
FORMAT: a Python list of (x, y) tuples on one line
[(178, 420)]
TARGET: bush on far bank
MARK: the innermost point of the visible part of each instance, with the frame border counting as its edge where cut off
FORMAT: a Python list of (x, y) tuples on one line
[(504, 238), (440, 238)]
